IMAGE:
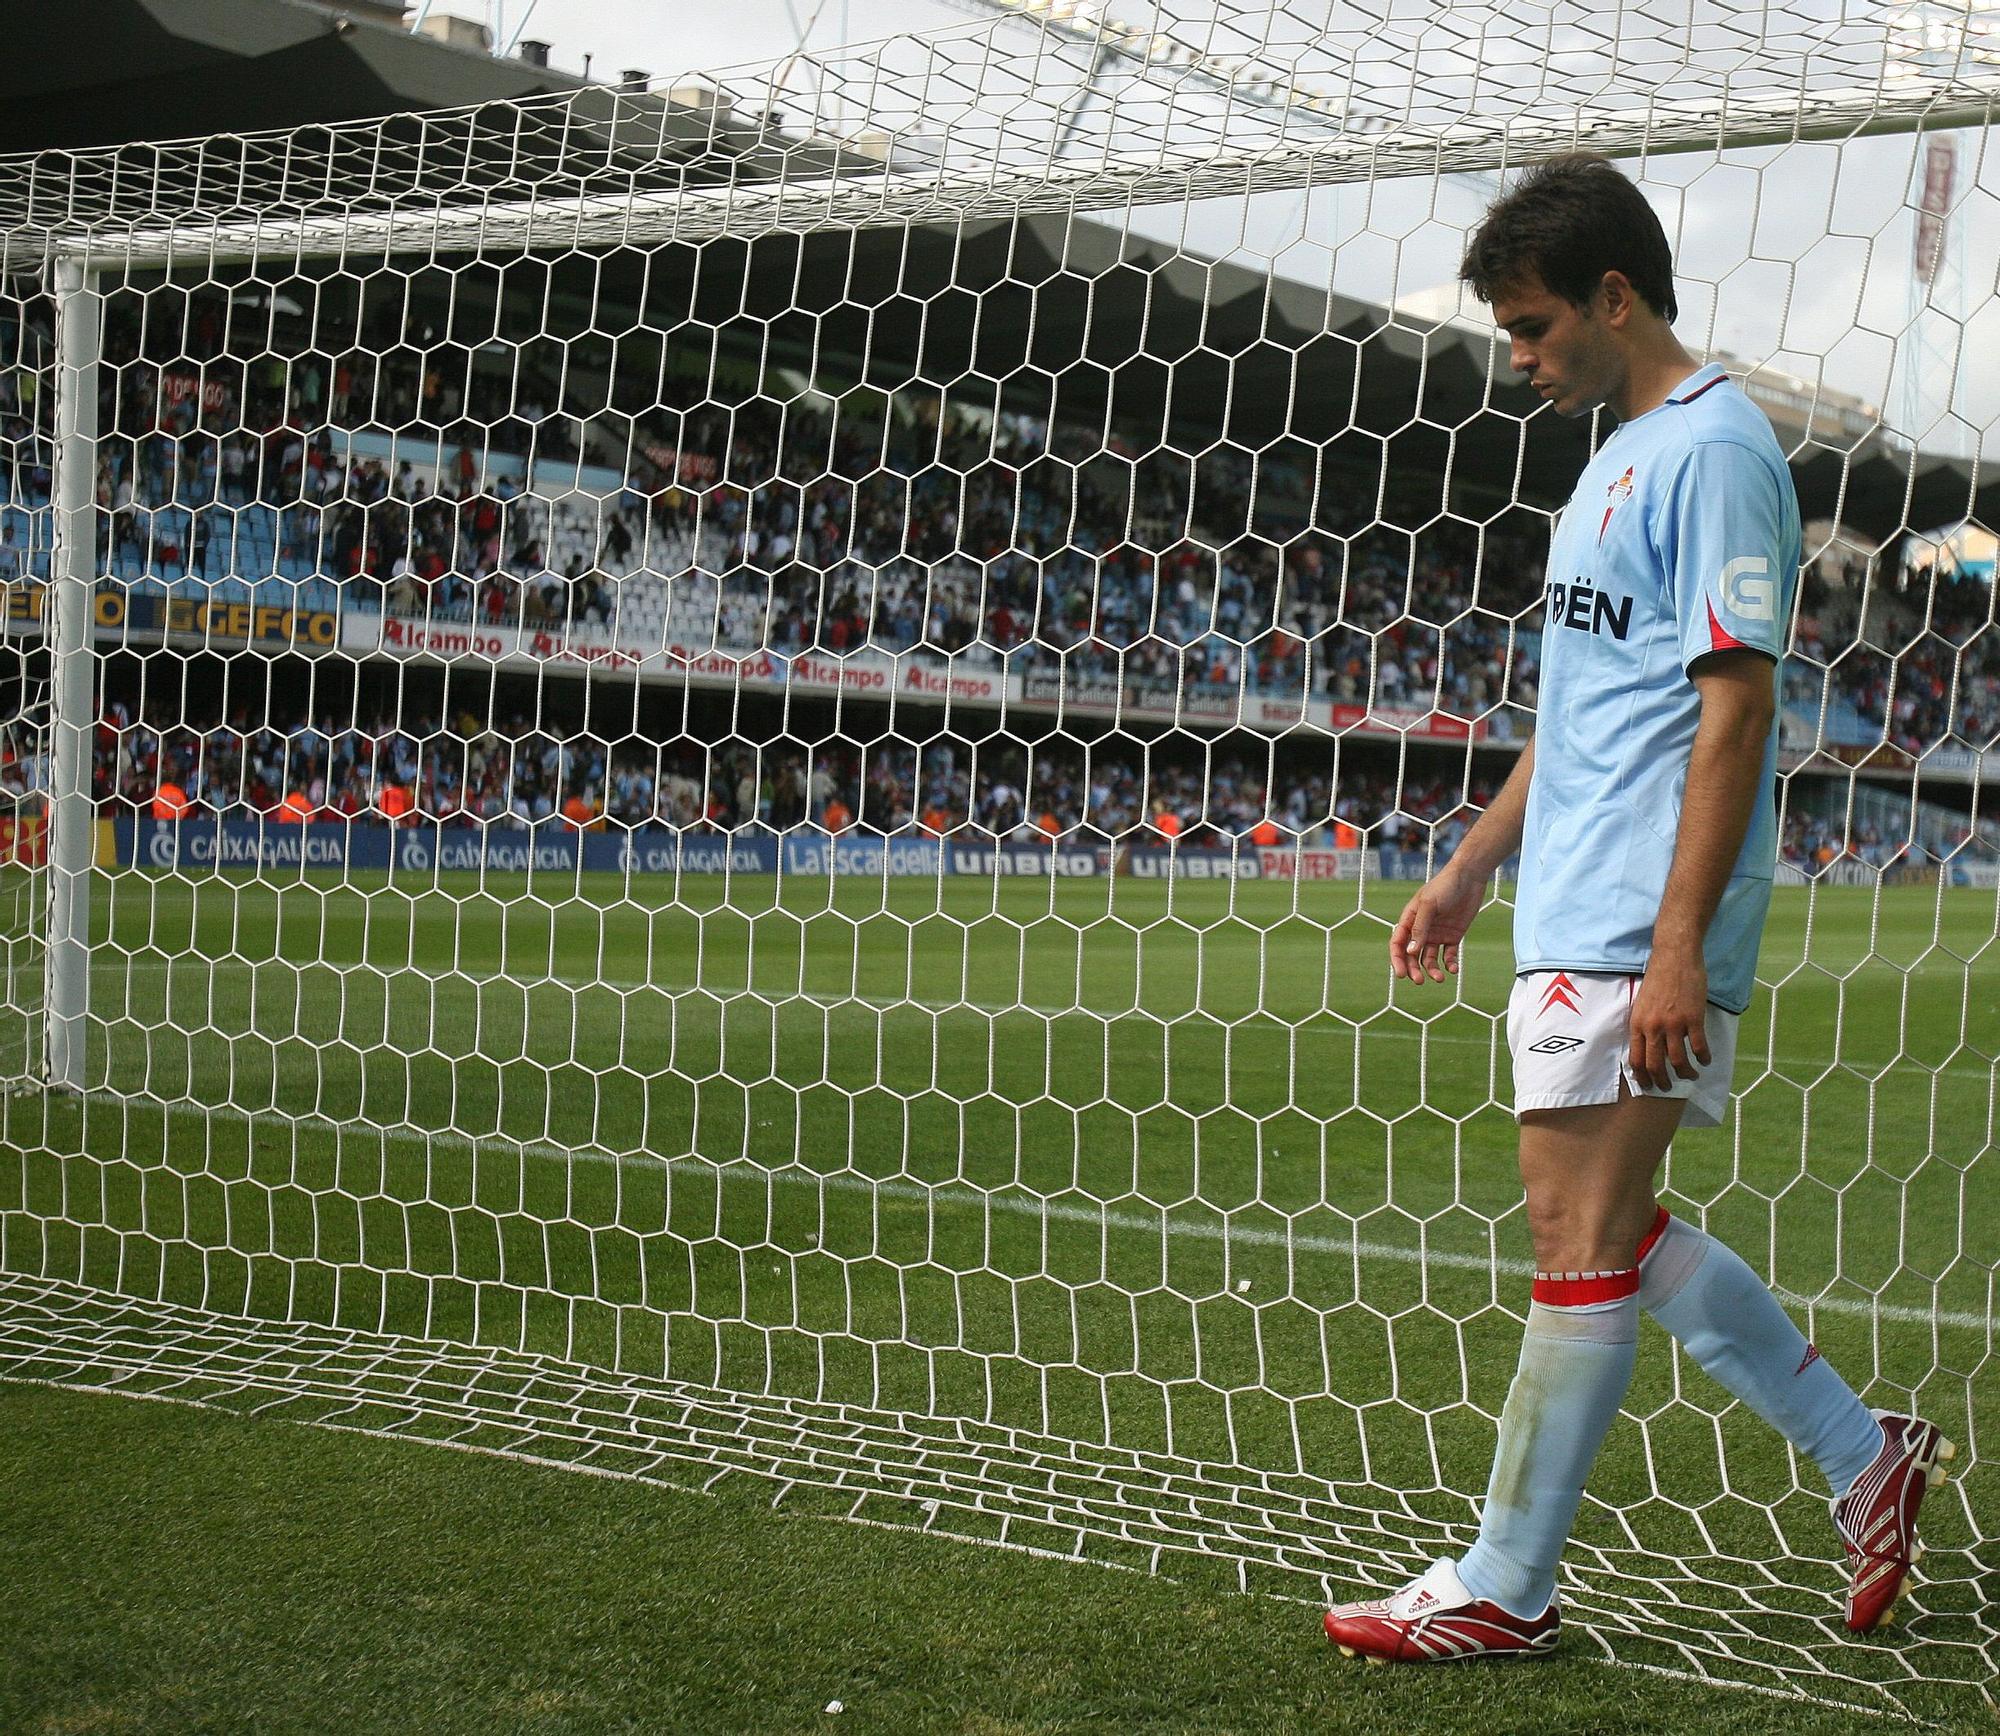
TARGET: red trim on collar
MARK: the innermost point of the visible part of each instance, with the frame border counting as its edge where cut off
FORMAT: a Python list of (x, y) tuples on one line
[(1697, 392)]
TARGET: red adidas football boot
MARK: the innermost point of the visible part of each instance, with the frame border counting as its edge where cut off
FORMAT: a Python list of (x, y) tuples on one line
[(1434, 1620), (1877, 1518)]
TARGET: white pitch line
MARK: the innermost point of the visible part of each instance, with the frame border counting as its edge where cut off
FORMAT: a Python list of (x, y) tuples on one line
[(1400, 1030), (941, 1194)]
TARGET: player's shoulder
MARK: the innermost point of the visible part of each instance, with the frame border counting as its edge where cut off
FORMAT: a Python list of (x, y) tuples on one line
[(1710, 412), (1724, 435)]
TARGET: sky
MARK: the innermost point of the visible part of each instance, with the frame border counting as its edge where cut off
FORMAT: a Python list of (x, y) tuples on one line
[(1796, 257)]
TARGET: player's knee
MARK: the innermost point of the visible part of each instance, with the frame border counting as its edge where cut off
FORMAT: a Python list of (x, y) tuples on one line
[(1558, 1227), (1575, 1230)]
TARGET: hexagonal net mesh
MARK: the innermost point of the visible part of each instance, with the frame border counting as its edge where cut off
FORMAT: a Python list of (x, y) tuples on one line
[(710, 781)]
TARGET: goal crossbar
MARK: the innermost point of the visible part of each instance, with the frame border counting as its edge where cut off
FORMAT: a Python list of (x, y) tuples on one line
[(879, 197)]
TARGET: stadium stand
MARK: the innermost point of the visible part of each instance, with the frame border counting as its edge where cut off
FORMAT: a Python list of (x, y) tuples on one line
[(377, 480)]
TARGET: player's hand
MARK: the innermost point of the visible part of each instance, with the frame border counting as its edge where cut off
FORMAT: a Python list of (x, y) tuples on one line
[(1432, 925), (1670, 1020)]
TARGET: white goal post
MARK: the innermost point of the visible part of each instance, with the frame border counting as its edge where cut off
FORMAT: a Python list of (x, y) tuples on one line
[(699, 781)]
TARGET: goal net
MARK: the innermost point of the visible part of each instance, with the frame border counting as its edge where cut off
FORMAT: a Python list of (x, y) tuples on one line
[(709, 782)]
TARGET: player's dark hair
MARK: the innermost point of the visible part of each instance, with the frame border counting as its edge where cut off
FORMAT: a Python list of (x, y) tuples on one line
[(1568, 221)]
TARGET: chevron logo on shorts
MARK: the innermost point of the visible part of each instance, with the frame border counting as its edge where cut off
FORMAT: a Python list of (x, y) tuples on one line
[(1561, 990)]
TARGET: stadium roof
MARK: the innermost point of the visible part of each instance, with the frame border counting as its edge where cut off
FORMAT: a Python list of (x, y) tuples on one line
[(110, 72), (110, 79)]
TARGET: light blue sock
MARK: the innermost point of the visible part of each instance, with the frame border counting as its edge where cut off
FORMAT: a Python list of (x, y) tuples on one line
[(1576, 1361), (1727, 1319)]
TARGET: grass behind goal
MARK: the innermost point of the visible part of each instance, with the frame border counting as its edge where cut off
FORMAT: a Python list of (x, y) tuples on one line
[(1160, 1167)]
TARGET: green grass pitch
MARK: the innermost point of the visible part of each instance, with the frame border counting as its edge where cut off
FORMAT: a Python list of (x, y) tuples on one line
[(1164, 1165)]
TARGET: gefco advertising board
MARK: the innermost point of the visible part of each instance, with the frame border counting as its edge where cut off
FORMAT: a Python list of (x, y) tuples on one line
[(120, 616)]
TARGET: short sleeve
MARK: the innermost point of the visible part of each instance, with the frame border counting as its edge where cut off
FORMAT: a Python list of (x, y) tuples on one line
[(1727, 546)]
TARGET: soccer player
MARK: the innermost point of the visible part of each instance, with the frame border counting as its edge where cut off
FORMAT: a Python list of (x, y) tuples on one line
[(1645, 818)]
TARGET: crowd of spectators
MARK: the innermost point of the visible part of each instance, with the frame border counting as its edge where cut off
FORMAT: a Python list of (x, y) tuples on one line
[(990, 542), (801, 528), (809, 528), (1816, 841), (464, 770), (1918, 667), (951, 560), (796, 529)]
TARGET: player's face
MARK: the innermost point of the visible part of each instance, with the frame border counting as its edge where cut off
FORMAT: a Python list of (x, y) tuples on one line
[(1564, 350)]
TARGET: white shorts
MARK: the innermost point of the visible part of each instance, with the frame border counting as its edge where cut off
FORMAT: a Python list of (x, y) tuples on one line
[(1570, 1035)]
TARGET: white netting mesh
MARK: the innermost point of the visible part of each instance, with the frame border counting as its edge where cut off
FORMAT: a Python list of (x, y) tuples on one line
[(745, 780)]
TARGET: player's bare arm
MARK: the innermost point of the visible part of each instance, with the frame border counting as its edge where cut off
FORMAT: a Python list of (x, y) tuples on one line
[(1669, 1012), (1434, 922)]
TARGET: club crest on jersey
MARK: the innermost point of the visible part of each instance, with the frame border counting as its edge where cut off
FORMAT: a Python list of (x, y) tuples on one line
[(1615, 496)]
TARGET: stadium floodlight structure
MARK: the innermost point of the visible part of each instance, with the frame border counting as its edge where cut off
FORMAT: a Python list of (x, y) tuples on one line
[(716, 804), (1243, 72), (1156, 46)]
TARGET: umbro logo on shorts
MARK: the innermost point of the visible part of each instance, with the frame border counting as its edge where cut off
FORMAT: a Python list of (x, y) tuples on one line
[(1555, 1045)]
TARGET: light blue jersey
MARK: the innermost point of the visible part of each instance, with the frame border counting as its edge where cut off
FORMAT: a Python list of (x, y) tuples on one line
[(1682, 538)]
